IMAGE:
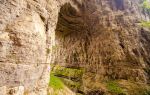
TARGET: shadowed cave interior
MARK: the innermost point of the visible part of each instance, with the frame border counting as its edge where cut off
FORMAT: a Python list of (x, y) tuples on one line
[(88, 63)]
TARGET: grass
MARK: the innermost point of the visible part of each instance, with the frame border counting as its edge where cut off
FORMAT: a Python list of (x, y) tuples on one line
[(55, 82), (145, 24), (68, 72), (127, 87), (71, 77), (72, 84), (113, 87)]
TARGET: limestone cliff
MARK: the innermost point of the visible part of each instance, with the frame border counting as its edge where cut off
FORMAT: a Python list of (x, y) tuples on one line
[(100, 41), (105, 38), (25, 26)]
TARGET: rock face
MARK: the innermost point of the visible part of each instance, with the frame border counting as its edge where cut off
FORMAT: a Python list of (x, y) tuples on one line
[(101, 36), (25, 26), (105, 38)]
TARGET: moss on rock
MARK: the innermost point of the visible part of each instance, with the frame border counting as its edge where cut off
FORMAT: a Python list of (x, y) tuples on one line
[(55, 82)]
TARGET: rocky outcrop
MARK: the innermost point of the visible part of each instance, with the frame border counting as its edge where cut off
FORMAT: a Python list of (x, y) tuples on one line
[(27, 33), (103, 37), (25, 26), (106, 39)]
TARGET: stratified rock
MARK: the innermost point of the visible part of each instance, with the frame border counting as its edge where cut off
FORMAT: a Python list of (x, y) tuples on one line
[(101, 36), (105, 38), (24, 30)]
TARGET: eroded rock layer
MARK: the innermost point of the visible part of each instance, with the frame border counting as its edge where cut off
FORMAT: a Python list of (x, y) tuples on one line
[(25, 26), (105, 38), (101, 38)]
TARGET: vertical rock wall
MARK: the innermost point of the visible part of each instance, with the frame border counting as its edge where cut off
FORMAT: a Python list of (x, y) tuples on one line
[(102, 36), (25, 30), (105, 38)]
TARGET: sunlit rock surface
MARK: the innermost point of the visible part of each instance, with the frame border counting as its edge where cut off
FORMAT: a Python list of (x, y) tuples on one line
[(101, 38), (24, 36)]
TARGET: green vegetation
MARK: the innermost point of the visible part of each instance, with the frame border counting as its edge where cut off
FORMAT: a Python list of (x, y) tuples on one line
[(71, 77), (145, 23), (72, 84), (145, 4), (146, 93), (55, 82), (127, 87), (68, 72), (113, 87)]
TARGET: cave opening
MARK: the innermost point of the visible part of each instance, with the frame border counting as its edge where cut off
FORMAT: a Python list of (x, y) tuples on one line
[(67, 40), (68, 35)]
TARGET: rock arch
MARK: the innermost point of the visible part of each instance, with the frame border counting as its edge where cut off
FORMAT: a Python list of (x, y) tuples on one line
[(85, 37)]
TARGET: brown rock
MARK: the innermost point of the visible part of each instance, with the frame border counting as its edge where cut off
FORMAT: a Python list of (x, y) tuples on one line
[(102, 36)]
